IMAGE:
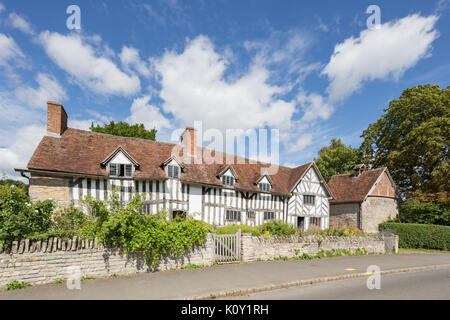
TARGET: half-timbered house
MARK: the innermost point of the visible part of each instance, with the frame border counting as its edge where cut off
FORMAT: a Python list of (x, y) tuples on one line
[(70, 164)]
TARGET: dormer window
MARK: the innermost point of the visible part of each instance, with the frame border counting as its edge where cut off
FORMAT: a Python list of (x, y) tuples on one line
[(228, 181), (120, 164), (173, 171), (264, 187), (120, 170)]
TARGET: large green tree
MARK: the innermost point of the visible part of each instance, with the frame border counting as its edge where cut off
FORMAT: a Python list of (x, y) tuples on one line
[(411, 139), (124, 129), (337, 158)]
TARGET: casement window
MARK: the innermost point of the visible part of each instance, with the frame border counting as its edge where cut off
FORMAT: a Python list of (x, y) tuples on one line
[(251, 215), (232, 215), (120, 170), (309, 199), (269, 215), (228, 181), (173, 171), (314, 221), (264, 187)]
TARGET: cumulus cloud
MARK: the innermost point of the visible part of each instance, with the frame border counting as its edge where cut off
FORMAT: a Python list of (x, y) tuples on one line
[(9, 51), (86, 65), (314, 106), (379, 54), (48, 89), (20, 23), (193, 87), (131, 60), (21, 148), (143, 112)]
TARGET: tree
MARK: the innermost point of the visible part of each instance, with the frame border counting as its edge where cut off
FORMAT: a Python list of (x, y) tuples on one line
[(4, 181), (124, 129), (337, 158), (411, 139)]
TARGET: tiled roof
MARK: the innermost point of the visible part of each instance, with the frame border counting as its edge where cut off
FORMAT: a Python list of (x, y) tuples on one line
[(350, 188), (82, 152)]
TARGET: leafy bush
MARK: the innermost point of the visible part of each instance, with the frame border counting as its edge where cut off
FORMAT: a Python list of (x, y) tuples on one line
[(151, 235), (70, 222), (14, 285), (415, 211), (415, 236), (337, 232), (19, 218), (233, 228), (277, 228)]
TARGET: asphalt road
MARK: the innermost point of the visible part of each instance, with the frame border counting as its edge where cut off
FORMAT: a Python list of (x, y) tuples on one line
[(421, 285), (179, 284)]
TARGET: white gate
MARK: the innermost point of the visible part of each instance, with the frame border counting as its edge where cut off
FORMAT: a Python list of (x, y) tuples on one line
[(227, 247)]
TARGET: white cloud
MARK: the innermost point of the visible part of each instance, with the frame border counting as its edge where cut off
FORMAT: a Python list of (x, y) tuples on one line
[(88, 66), (2, 7), (9, 51), (314, 106), (20, 23), (143, 112), (131, 60), (49, 89), (379, 54), (193, 87), (19, 151)]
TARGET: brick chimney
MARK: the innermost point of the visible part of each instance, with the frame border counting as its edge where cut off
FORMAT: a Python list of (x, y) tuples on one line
[(188, 141), (56, 119)]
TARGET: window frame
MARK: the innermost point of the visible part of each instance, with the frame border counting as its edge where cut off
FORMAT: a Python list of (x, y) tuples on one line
[(308, 202), (268, 214), (120, 170), (265, 187), (236, 216), (171, 171), (228, 181)]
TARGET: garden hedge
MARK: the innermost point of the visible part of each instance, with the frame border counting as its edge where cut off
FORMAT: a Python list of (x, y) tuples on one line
[(413, 235)]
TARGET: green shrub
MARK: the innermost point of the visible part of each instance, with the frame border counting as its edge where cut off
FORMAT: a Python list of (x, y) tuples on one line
[(14, 285), (70, 222), (277, 228), (152, 235), (415, 236), (233, 228), (19, 218), (415, 211), (336, 232)]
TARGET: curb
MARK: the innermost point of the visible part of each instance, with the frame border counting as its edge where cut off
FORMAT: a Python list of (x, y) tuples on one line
[(285, 285)]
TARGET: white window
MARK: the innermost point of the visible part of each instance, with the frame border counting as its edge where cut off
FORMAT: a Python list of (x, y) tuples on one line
[(269, 215), (228, 181), (233, 215), (251, 215), (309, 199), (314, 221), (173, 171), (264, 187), (120, 170)]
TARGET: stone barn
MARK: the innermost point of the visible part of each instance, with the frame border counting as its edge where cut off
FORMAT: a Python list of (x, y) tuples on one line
[(363, 199)]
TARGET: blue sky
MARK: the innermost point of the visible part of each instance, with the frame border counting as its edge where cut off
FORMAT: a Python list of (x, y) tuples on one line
[(311, 69)]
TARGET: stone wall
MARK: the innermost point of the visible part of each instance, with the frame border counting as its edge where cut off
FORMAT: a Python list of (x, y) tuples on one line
[(55, 188), (344, 214), (259, 248), (375, 210), (39, 262)]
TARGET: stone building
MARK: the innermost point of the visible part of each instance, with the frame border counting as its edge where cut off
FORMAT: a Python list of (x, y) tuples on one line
[(363, 199), (70, 164)]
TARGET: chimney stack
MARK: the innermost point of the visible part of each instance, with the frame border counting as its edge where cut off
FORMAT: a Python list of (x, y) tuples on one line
[(56, 119), (189, 141), (358, 169)]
